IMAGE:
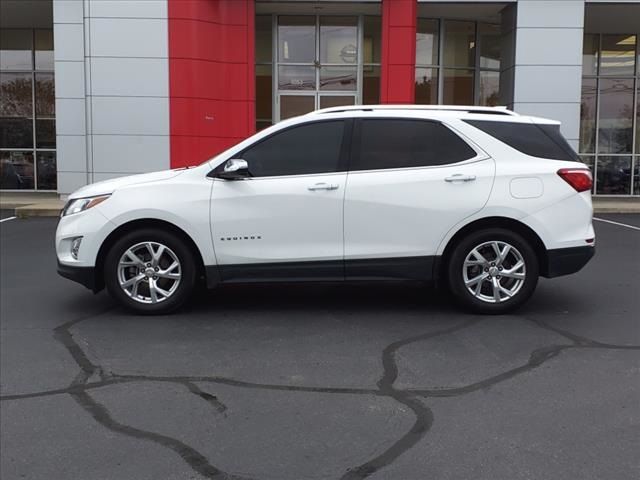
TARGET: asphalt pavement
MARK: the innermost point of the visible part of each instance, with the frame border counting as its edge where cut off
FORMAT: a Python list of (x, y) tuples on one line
[(320, 381)]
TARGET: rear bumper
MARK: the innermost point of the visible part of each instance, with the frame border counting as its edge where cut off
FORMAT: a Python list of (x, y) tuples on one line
[(564, 261), (82, 275)]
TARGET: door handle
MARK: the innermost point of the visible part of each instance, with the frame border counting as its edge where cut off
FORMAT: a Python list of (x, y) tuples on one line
[(459, 177), (323, 186)]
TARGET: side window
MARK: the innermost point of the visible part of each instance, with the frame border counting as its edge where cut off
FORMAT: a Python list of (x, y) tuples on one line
[(544, 141), (305, 149), (399, 143)]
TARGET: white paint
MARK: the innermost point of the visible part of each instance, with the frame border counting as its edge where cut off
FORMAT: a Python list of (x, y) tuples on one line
[(527, 187), (370, 214), (7, 219)]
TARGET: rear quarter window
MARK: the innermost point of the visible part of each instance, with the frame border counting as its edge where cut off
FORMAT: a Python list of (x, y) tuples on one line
[(537, 140)]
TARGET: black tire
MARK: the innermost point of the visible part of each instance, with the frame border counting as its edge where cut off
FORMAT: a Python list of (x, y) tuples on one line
[(479, 302), (174, 246)]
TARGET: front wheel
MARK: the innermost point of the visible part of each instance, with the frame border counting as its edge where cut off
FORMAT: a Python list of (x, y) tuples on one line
[(150, 271), (493, 271)]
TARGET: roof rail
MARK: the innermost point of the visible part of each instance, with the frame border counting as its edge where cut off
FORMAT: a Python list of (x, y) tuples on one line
[(451, 108)]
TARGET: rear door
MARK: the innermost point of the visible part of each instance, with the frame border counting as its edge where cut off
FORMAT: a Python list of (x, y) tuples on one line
[(409, 182)]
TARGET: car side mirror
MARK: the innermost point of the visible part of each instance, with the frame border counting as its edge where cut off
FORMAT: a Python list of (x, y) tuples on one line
[(234, 169)]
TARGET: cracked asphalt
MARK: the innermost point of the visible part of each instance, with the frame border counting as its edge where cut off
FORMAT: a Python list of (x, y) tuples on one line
[(319, 382)]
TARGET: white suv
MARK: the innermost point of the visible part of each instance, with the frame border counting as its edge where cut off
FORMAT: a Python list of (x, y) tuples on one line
[(481, 200)]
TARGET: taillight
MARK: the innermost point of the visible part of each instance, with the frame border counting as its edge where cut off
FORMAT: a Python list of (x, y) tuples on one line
[(579, 178)]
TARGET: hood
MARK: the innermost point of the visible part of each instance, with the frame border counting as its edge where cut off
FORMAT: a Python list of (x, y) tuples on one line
[(109, 186)]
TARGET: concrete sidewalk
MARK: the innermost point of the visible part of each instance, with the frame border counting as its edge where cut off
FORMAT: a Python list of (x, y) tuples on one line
[(49, 204), (32, 204)]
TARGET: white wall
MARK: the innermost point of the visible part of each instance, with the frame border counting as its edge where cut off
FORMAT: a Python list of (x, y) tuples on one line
[(112, 89), (547, 62)]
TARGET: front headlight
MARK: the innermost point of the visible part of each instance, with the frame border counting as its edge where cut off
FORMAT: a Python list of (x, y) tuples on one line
[(78, 205)]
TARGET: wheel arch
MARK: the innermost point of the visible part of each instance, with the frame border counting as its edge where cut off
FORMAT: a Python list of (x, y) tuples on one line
[(493, 222), (138, 224)]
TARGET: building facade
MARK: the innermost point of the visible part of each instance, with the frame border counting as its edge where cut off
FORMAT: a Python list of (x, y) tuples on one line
[(95, 89)]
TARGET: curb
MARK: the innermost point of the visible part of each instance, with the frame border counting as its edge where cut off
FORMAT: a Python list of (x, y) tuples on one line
[(28, 211)]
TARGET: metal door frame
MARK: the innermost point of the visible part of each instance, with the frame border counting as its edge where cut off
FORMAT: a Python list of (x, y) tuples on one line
[(317, 93)]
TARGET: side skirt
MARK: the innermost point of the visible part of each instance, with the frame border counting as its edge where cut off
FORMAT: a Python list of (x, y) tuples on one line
[(376, 269)]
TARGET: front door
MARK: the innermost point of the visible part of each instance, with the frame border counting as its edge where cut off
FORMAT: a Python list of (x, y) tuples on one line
[(286, 219), (317, 63)]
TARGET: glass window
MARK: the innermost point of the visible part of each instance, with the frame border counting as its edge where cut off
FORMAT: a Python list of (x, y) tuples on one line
[(489, 94), (296, 77), (44, 49), (297, 39), (457, 88), (264, 39), (615, 126), (372, 37), (339, 40), (618, 55), (537, 140), (46, 168), (338, 78), (16, 49), (264, 93), (391, 143), (427, 86), (327, 101), (590, 49), (588, 116), (45, 95), (294, 105), (45, 111), (490, 40), (371, 85), (16, 110), (427, 42), (16, 170), (27, 100), (45, 133), (305, 149), (459, 44), (613, 176)]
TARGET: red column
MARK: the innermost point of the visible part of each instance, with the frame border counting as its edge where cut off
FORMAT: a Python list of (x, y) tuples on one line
[(398, 51), (211, 77)]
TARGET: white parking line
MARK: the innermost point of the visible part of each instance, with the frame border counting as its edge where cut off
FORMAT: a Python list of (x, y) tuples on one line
[(617, 223), (7, 219)]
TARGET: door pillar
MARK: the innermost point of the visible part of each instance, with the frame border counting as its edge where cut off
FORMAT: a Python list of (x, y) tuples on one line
[(397, 76)]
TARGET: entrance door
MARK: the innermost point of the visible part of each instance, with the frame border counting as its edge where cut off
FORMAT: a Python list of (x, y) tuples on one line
[(317, 63)]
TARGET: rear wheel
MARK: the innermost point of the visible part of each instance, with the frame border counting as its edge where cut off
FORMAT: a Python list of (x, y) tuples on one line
[(493, 271), (150, 271)]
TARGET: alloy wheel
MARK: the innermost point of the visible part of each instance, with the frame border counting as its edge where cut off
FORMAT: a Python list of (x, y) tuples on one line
[(494, 271), (149, 272)]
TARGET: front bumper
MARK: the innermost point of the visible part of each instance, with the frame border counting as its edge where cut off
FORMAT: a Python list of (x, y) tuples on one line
[(83, 275), (564, 261)]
